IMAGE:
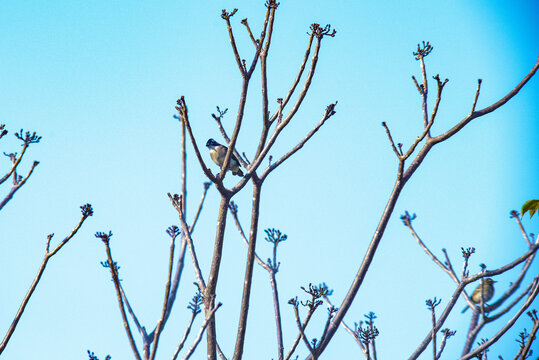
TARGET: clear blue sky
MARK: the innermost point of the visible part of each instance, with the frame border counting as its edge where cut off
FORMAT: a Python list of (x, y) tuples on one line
[(99, 80)]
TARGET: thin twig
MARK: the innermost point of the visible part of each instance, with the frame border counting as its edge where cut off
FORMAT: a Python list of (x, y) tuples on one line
[(115, 279), (417, 85), (531, 338), (186, 233), (488, 109), (16, 162), (479, 81), (140, 328), (349, 330), (210, 315), (220, 352), (184, 117), (438, 97), (17, 186), (162, 319), (515, 216), (329, 113), (391, 140), (298, 338), (234, 212), (185, 335), (244, 22), (199, 209), (302, 332), (226, 16)]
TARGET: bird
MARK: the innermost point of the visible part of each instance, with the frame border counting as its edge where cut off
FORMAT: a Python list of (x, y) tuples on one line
[(487, 287), (218, 154)]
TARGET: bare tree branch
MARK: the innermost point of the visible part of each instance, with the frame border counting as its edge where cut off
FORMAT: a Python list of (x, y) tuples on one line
[(329, 113), (514, 215), (298, 338), (177, 203), (209, 316), (15, 162), (173, 232), (17, 186), (86, 212), (507, 326), (349, 330), (115, 279), (460, 288), (244, 310), (302, 331), (226, 16), (244, 22), (488, 109), (399, 184)]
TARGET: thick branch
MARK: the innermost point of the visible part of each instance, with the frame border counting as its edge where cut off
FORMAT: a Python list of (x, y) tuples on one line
[(209, 293), (244, 310)]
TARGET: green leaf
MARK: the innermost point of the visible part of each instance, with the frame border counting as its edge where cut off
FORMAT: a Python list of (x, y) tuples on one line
[(531, 205)]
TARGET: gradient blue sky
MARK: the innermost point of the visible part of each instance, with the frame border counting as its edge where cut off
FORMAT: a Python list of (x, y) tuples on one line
[(99, 80)]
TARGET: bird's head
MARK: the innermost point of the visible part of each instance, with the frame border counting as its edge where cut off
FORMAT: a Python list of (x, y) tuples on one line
[(489, 281), (211, 143)]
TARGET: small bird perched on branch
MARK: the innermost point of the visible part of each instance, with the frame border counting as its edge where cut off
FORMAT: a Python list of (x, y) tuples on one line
[(488, 292), (218, 154)]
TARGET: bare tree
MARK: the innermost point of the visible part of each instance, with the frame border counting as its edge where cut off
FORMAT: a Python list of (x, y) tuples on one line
[(273, 123)]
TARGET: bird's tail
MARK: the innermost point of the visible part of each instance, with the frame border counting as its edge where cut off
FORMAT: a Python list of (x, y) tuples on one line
[(238, 172)]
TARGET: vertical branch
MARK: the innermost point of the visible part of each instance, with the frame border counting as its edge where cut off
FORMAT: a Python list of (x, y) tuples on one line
[(209, 293), (115, 279), (276, 306), (173, 232), (270, 17), (244, 310), (184, 172), (431, 304)]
